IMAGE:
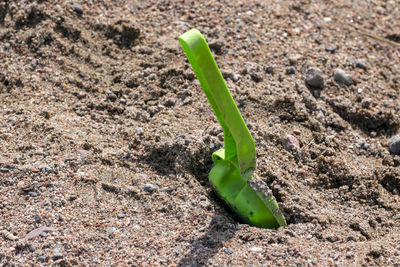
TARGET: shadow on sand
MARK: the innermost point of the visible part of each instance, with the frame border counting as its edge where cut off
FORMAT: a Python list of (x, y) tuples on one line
[(206, 246)]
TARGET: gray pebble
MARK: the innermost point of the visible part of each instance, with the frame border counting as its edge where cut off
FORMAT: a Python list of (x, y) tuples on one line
[(72, 197), (149, 188), (46, 169), (178, 250), (342, 78), (77, 8), (147, 51), (4, 170), (31, 248), (314, 78), (111, 96), (228, 251), (138, 131), (152, 77), (32, 194), (235, 77), (57, 255), (330, 49), (44, 234), (360, 64), (366, 102), (351, 61), (111, 231), (290, 71), (269, 70), (42, 258), (289, 142), (121, 215), (394, 145)]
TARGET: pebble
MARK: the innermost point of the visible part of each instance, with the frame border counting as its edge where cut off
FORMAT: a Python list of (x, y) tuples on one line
[(111, 231), (77, 8), (394, 145), (366, 102), (4, 170), (314, 78), (228, 251), (111, 96), (290, 70), (269, 70), (235, 77), (32, 194), (342, 78), (121, 215), (72, 197), (44, 234), (149, 188), (256, 249), (293, 60), (360, 64), (138, 131), (31, 248), (46, 169), (289, 142), (42, 258), (178, 250), (57, 255), (330, 49)]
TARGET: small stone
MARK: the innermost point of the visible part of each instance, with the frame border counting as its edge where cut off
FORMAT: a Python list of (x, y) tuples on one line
[(146, 51), (57, 255), (330, 49), (228, 251), (72, 197), (294, 59), (32, 194), (290, 71), (365, 103), (327, 19), (149, 188), (296, 131), (31, 248), (77, 8), (178, 250), (394, 145), (360, 64), (256, 249), (111, 231), (289, 143), (269, 70), (314, 78), (46, 169), (121, 215), (4, 170), (138, 131), (351, 61), (44, 234), (235, 77), (111, 96), (342, 78), (42, 258)]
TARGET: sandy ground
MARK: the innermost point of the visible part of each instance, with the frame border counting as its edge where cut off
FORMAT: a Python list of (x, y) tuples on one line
[(106, 136)]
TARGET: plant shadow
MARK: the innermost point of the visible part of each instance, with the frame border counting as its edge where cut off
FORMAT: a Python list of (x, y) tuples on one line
[(208, 245)]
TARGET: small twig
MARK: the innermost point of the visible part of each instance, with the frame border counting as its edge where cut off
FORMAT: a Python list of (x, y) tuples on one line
[(377, 37)]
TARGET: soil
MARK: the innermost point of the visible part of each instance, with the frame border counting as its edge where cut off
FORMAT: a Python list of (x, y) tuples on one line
[(106, 135)]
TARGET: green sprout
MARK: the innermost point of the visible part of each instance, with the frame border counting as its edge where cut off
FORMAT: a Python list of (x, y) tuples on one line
[(232, 176)]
